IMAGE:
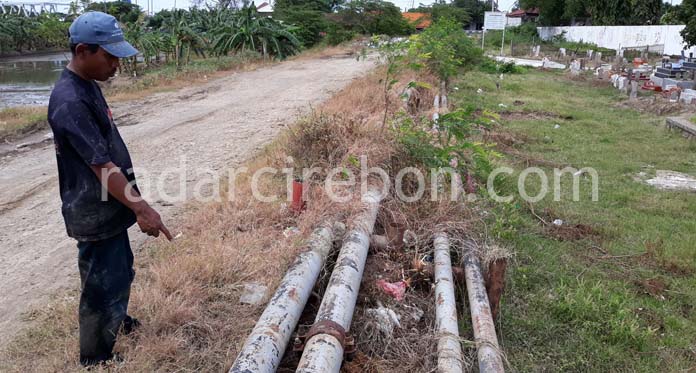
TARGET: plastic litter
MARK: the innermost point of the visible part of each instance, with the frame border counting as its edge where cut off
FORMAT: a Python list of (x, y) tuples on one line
[(291, 231), (558, 222), (383, 319), (395, 289)]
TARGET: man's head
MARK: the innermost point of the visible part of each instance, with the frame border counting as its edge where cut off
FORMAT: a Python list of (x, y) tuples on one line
[(97, 43)]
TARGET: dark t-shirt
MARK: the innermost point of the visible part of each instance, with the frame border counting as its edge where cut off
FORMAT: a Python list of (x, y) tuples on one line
[(85, 135)]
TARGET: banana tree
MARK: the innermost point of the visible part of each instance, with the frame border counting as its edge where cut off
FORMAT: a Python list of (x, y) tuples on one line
[(247, 30), (149, 43), (183, 36)]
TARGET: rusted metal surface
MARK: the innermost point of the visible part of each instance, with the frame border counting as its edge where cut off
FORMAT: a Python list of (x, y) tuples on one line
[(489, 356), (449, 351), (330, 328), (324, 353), (495, 284), (268, 340)]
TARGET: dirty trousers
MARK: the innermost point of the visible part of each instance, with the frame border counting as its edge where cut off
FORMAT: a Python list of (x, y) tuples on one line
[(106, 271)]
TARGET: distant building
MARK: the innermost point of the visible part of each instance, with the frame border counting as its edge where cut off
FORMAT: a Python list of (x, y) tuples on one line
[(265, 8), (420, 20), (527, 15)]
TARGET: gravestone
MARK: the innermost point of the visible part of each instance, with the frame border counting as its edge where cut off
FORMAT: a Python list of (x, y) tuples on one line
[(634, 90)]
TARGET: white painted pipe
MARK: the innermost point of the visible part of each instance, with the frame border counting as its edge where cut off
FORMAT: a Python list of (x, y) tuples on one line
[(265, 346), (323, 353), (436, 117), (489, 357), (449, 351)]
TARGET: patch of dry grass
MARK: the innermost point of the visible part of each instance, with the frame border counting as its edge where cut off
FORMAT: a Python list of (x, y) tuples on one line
[(21, 120)]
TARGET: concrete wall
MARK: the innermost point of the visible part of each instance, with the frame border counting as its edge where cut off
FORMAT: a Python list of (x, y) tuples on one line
[(615, 37)]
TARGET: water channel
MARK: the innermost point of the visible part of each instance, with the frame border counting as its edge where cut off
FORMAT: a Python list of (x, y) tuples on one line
[(28, 80)]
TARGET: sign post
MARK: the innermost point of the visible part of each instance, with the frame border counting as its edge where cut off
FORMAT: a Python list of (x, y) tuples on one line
[(494, 21)]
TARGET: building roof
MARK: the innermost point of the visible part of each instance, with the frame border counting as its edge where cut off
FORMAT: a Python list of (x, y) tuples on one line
[(421, 20), (264, 7), (533, 12)]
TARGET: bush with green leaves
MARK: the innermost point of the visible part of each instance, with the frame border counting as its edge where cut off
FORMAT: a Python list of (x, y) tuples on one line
[(336, 34), (452, 142), (446, 49), (309, 23), (125, 12), (372, 17), (491, 66)]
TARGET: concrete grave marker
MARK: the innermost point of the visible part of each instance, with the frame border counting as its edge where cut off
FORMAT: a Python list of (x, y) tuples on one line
[(634, 90)]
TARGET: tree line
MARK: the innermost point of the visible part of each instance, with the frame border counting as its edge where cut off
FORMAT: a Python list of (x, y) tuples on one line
[(214, 30)]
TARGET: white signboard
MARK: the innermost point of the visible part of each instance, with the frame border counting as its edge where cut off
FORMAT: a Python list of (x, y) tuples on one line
[(494, 21)]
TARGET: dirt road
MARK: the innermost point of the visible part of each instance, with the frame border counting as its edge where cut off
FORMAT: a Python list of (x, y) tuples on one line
[(218, 124)]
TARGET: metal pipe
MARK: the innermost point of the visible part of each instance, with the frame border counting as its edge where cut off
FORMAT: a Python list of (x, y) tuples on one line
[(265, 346), (449, 351), (323, 353), (489, 356)]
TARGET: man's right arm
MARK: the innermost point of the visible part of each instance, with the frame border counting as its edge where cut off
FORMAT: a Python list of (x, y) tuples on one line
[(118, 186), (76, 122)]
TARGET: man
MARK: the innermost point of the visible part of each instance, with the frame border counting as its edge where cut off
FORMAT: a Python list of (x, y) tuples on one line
[(93, 160)]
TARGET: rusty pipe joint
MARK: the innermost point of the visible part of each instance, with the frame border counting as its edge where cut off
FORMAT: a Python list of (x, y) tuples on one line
[(328, 328)]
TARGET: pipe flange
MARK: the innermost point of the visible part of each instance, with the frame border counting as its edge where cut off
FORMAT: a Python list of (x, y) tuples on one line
[(331, 328)]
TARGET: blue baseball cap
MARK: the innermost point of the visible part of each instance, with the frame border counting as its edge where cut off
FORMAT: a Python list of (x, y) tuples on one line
[(104, 30)]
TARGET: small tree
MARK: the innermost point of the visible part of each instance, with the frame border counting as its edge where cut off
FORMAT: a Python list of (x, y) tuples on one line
[(687, 14), (124, 12), (446, 49)]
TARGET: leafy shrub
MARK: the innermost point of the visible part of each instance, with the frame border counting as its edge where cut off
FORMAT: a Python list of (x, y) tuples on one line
[(491, 66), (122, 10), (527, 30), (446, 49), (310, 23), (372, 17), (335, 34), (452, 140)]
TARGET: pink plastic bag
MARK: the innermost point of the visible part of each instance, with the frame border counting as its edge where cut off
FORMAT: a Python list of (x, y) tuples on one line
[(395, 289)]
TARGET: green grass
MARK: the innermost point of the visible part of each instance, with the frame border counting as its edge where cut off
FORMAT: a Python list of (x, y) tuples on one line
[(570, 306)]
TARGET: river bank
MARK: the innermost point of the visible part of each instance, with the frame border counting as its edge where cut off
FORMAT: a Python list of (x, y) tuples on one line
[(26, 113)]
